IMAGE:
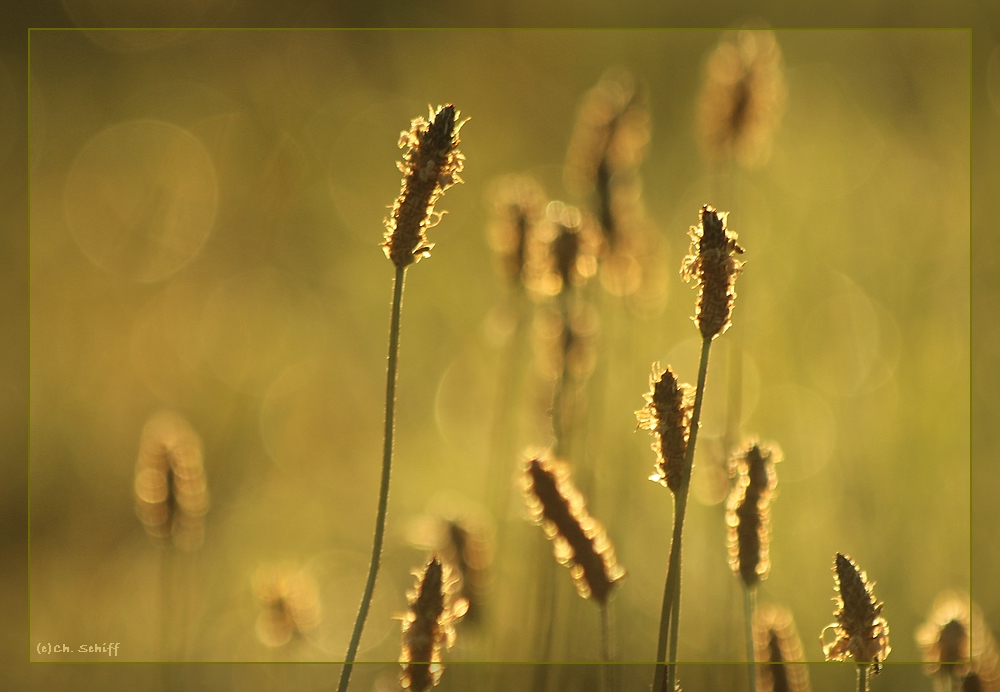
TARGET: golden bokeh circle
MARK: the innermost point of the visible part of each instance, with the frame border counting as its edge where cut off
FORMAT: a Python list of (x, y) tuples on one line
[(140, 199)]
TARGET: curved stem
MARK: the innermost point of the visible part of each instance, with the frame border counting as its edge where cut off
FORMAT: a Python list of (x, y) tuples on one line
[(383, 497), (670, 617)]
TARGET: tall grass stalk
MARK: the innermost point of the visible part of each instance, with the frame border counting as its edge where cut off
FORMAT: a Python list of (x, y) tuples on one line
[(749, 606), (670, 615), (606, 649), (431, 165), (383, 496)]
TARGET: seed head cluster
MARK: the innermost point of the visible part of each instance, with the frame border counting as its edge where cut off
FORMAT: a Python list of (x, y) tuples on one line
[(667, 416), (430, 166), (861, 631), (579, 541), (712, 263), (748, 511)]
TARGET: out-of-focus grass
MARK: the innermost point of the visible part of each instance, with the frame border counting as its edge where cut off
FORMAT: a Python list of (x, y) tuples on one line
[(255, 303)]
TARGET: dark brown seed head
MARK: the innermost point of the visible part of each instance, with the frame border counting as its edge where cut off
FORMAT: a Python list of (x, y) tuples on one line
[(171, 493), (861, 631), (667, 416), (712, 263), (748, 511), (579, 541), (430, 166), (428, 626), (743, 99), (776, 640)]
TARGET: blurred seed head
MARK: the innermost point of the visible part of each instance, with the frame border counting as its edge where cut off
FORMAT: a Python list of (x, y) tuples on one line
[(171, 492), (748, 511), (743, 99), (712, 263), (861, 631), (428, 625), (569, 337), (430, 166), (563, 253), (289, 603), (465, 543), (609, 142), (518, 209), (667, 416), (579, 541), (956, 644), (776, 640)]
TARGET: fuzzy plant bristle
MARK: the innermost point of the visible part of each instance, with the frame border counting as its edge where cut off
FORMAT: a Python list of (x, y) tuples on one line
[(712, 263), (428, 626), (667, 416), (748, 511), (430, 166), (171, 491), (860, 630), (579, 541)]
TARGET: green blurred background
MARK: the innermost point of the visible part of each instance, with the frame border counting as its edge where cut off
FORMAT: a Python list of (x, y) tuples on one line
[(267, 330)]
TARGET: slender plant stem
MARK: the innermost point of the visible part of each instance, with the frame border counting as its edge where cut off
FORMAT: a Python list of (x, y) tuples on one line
[(606, 647), (383, 497), (561, 418), (749, 604), (862, 677), (670, 617)]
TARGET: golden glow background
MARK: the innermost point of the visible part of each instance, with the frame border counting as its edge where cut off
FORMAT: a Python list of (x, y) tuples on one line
[(273, 164)]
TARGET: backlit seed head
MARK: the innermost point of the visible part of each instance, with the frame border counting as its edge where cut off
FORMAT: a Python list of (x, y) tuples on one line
[(860, 630), (743, 99), (579, 541), (776, 641), (667, 416), (748, 511), (429, 625), (430, 166), (289, 604), (712, 263), (171, 493)]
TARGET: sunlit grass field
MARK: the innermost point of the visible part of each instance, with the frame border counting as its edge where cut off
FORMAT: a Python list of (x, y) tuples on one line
[(206, 213)]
